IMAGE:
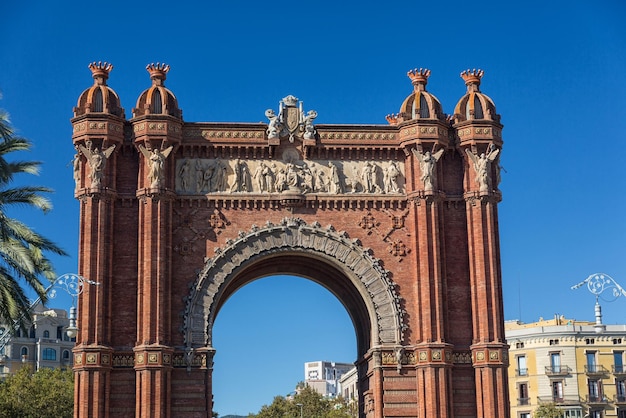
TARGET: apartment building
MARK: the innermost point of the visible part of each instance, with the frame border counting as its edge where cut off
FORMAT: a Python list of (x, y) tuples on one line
[(44, 344), (576, 365)]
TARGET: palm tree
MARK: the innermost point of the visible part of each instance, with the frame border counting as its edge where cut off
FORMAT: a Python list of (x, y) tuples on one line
[(22, 250)]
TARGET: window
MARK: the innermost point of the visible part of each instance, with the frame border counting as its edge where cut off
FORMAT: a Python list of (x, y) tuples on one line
[(621, 413), (591, 361), (97, 101), (590, 340), (572, 413), (618, 361), (59, 333), (617, 340), (595, 414), (522, 393), (524, 415), (554, 342), (49, 354), (557, 391), (595, 390), (46, 334), (519, 345), (521, 366), (24, 351), (157, 104), (555, 362), (620, 390)]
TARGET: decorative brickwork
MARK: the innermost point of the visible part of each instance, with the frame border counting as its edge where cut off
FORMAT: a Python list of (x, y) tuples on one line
[(399, 221)]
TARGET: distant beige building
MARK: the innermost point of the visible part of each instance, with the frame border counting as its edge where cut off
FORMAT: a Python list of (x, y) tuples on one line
[(577, 365), (44, 344), (324, 376)]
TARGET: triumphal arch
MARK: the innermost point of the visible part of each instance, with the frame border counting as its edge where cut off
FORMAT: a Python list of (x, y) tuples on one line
[(399, 221)]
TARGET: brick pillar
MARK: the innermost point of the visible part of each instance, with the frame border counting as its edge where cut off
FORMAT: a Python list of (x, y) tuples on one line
[(152, 353), (432, 374), (489, 348), (434, 379), (96, 136)]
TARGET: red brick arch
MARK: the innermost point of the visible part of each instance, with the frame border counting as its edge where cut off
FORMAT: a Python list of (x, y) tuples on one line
[(326, 256), (167, 227)]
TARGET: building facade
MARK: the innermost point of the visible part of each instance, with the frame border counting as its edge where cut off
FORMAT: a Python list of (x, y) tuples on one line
[(325, 376), (44, 344), (398, 220), (577, 365)]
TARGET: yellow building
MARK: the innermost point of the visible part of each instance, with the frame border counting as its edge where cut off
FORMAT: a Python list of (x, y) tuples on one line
[(577, 365)]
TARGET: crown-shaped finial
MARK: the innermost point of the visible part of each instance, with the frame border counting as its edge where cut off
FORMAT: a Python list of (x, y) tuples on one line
[(100, 71), (392, 119), (158, 71), (419, 76), (472, 76)]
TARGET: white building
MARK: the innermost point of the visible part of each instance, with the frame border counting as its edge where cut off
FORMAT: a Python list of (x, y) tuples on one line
[(44, 344), (324, 376)]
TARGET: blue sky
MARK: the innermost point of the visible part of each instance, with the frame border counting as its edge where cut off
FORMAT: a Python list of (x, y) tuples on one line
[(554, 69)]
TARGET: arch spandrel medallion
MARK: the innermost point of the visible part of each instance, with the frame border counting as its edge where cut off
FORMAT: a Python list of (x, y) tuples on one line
[(365, 273)]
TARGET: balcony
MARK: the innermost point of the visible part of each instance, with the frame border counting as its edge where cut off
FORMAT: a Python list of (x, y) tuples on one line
[(596, 400), (595, 370), (619, 399), (521, 372), (558, 370), (618, 371), (560, 401), (523, 401)]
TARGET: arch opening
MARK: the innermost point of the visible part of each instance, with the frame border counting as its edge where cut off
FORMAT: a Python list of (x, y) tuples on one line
[(268, 329)]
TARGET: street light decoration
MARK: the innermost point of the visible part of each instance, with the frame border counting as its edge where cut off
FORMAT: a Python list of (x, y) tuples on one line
[(73, 284), (598, 283)]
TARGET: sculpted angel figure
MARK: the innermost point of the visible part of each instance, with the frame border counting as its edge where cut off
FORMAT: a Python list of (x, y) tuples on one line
[(97, 160), (274, 127), (482, 166), (428, 162), (156, 164)]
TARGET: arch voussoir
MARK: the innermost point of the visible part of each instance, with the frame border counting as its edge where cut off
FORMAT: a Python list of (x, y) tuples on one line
[(295, 235)]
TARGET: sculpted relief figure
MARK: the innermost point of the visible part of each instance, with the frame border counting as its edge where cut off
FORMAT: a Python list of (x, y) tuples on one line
[(354, 180), (183, 175), (369, 178), (309, 129), (76, 167), (156, 164), (207, 175), (391, 178), (97, 160), (428, 162), (281, 180), (482, 166), (242, 176), (334, 182), (220, 176), (274, 127)]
